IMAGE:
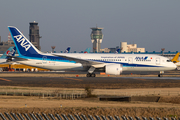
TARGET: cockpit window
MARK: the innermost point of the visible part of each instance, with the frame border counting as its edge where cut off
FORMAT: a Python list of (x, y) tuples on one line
[(168, 60)]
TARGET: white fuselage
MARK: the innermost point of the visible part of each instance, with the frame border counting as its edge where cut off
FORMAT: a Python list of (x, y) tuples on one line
[(129, 62)]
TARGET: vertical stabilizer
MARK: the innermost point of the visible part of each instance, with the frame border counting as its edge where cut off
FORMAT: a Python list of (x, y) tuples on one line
[(23, 45), (10, 52), (175, 59)]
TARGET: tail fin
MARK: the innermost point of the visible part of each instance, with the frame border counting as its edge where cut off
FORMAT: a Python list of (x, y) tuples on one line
[(87, 50), (175, 59), (23, 45), (117, 51), (67, 50), (10, 52)]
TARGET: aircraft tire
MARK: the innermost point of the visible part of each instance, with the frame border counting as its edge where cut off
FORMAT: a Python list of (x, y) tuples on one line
[(88, 75), (159, 75), (93, 75)]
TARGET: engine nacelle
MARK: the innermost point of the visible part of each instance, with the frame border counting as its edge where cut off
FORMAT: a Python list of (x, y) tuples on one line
[(113, 69)]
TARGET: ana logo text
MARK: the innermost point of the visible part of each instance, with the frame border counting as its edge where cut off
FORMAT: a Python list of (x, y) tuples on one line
[(141, 58), (23, 41)]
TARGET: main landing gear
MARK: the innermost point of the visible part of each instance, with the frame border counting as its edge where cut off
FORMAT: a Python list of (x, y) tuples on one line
[(91, 75), (91, 72), (159, 75)]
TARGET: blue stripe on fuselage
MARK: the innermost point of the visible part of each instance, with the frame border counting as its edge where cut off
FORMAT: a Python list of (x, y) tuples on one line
[(46, 57), (127, 64)]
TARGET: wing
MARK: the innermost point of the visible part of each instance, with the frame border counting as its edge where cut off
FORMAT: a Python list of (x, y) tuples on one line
[(84, 62), (17, 58)]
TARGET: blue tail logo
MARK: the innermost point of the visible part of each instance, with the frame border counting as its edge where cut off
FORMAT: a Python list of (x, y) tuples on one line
[(23, 42), (23, 45), (10, 52), (67, 50)]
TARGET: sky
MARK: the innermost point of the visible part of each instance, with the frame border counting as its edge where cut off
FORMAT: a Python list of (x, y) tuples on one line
[(151, 24)]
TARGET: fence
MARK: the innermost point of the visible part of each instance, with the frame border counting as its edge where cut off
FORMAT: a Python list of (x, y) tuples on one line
[(80, 93), (66, 94), (37, 116), (137, 93)]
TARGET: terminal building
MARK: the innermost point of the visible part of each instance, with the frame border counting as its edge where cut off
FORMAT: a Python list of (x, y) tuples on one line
[(4, 45), (130, 48)]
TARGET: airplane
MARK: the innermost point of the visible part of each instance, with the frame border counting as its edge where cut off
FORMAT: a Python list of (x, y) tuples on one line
[(113, 64), (6, 57), (175, 61), (87, 50), (67, 50), (175, 58)]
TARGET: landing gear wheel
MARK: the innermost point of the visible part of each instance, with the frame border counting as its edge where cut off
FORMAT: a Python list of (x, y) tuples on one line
[(88, 75), (91, 75), (159, 75)]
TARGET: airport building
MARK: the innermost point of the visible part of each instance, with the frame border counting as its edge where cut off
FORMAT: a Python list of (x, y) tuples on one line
[(130, 48), (5, 45), (34, 36), (96, 38)]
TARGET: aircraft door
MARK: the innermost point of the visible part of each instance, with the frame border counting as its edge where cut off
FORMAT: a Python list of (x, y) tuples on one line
[(130, 60), (44, 60), (157, 61)]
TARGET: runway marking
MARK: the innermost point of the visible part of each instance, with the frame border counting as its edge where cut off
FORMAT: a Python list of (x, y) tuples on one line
[(74, 79), (5, 79)]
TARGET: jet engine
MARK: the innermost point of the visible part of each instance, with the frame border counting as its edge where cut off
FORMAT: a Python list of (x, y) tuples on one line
[(113, 69)]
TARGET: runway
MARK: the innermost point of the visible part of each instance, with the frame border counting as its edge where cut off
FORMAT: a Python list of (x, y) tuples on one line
[(97, 82)]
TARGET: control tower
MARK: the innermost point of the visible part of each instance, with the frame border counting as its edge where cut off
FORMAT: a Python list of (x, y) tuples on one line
[(96, 38), (34, 36)]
